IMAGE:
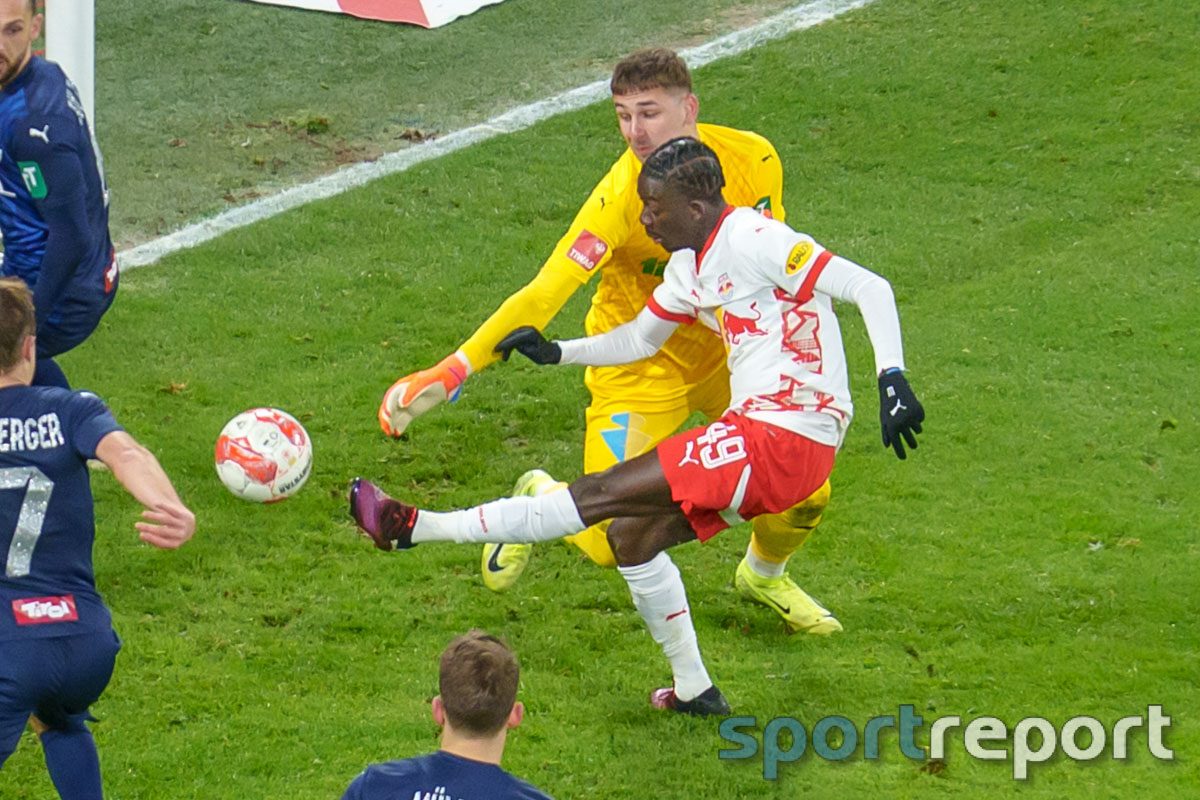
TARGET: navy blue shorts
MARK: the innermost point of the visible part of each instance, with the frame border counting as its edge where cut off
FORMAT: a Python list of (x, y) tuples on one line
[(74, 319), (52, 679)]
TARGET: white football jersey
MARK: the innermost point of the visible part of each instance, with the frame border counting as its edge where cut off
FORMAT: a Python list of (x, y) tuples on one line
[(753, 283)]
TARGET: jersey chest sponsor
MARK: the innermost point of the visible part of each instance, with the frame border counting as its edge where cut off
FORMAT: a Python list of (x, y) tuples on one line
[(31, 433), (45, 610)]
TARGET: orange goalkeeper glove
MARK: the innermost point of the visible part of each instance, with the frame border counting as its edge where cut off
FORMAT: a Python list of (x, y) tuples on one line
[(413, 395)]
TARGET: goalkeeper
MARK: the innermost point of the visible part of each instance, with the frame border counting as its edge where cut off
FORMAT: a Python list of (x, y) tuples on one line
[(635, 406)]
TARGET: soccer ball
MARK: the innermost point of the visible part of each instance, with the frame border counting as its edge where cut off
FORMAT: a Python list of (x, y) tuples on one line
[(263, 455)]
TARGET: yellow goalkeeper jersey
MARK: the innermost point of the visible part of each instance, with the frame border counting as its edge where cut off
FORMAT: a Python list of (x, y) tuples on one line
[(607, 239)]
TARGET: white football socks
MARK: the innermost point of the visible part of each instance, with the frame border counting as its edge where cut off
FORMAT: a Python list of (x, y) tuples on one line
[(767, 569), (660, 598), (512, 519)]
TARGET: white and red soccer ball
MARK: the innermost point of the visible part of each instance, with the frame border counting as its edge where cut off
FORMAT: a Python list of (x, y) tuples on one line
[(264, 455)]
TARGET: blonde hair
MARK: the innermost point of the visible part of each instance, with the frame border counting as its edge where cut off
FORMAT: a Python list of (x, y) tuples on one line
[(17, 321)]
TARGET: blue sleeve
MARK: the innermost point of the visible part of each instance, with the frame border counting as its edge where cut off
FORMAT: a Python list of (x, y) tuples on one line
[(356, 788), (52, 171), (86, 421)]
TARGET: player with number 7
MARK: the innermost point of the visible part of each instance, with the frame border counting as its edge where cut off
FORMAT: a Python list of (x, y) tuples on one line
[(57, 644)]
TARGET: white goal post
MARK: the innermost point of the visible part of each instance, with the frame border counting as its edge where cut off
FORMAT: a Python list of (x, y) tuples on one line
[(71, 41)]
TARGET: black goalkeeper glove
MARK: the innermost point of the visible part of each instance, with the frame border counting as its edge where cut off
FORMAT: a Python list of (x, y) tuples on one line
[(529, 342), (899, 411)]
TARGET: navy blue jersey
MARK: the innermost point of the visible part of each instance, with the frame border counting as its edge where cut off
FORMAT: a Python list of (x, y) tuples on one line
[(53, 196), (439, 776), (47, 525)]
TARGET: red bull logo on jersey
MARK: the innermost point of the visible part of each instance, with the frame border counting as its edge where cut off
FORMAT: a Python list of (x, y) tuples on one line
[(724, 286), (587, 250), (733, 327), (43, 610)]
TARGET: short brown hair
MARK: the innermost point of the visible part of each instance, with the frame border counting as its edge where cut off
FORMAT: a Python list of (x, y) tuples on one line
[(653, 68), (477, 679), (16, 320)]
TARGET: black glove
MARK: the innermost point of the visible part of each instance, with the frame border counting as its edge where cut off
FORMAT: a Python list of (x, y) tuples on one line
[(530, 343), (899, 411)]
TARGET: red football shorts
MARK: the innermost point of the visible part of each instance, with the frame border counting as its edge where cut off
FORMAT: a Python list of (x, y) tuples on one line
[(738, 468)]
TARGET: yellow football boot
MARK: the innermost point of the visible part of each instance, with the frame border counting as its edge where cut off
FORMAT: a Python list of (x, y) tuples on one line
[(502, 564), (802, 613)]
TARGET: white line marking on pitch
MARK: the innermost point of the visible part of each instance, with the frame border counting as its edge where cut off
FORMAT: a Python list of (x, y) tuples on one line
[(794, 19)]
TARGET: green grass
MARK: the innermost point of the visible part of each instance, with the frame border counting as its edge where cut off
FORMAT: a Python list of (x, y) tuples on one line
[(201, 105), (1026, 176)]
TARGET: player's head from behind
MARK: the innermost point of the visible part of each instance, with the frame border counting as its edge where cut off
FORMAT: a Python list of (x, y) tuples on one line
[(19, 27), (680, 187), (477, 681), (17, 328), (652, 94)]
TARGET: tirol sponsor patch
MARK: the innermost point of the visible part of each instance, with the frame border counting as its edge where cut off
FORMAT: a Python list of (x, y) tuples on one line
[(587, 249), (35, 184), (799, 256), (44, 610)]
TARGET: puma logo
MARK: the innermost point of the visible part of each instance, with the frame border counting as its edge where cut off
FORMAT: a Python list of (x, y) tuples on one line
[(43, 134), (687, 455)]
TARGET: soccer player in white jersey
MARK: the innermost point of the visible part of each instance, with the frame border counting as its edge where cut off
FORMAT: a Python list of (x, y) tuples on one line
[(768, 291)]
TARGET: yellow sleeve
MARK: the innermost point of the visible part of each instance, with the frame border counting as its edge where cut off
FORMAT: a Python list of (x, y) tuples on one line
[(597, 230), (772, 177)]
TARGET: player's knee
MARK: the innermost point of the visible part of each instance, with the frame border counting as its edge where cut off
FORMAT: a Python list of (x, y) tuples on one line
[(595, 496), (637, 540), (808, 512), (628, 547)]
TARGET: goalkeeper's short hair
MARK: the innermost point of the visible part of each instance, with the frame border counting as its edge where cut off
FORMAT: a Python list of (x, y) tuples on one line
[(651, 68)]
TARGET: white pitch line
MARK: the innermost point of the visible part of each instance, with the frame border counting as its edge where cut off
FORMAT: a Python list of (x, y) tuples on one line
[(794, 19)]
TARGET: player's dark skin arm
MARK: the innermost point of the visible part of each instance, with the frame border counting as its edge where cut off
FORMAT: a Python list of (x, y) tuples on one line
[(635, 495)]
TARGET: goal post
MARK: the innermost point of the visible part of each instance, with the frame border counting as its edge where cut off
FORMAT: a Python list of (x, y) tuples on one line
[(70, 31)]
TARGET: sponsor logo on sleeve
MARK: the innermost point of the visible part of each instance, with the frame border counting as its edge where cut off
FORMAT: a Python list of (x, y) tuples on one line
[(587, 250), (110, 274), (35, 184), (799, 256)]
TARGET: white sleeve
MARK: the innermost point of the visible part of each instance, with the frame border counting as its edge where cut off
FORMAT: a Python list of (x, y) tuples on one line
[(639, 338), (847, 281)]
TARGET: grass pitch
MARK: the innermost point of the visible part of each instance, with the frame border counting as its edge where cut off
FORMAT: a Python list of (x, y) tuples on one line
[(1025, 175)]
